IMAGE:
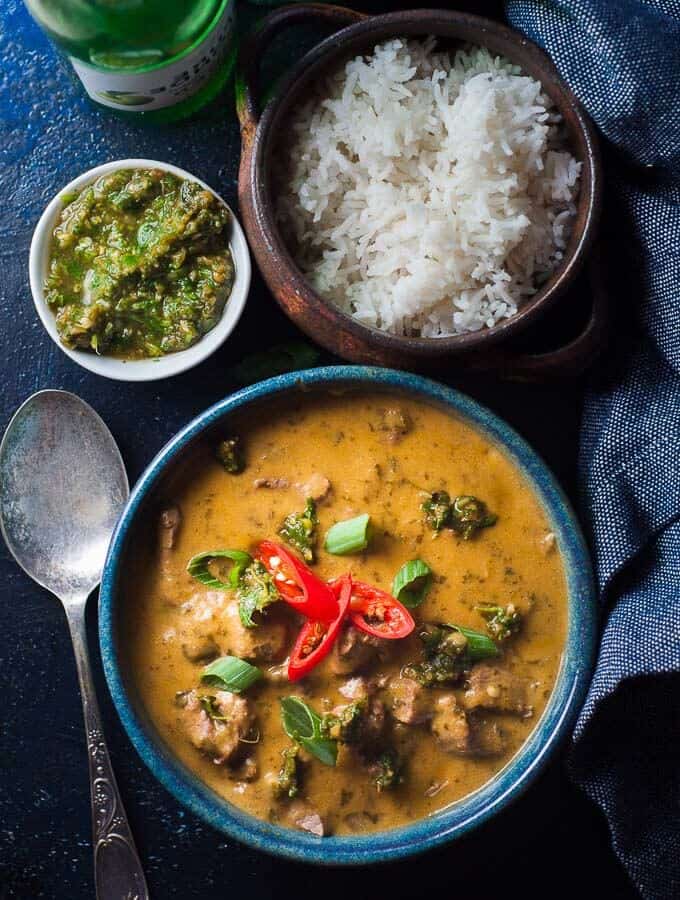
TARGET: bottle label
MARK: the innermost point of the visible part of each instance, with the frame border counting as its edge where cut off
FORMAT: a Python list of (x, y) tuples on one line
[(163, 85)]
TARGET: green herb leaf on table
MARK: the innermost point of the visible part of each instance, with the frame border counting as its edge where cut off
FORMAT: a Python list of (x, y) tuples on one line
[(303, 725), (229, 673), (277, 360), (199, 568), (350, 536), (412, 582)]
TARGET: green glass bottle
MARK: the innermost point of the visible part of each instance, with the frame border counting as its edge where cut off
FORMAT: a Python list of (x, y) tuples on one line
[(159, 60)]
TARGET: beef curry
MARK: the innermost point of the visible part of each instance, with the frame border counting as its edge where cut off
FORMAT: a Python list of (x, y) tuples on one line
[(349, 614)]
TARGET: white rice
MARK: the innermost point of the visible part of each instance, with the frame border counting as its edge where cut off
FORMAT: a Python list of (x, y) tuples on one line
[(427, 195)]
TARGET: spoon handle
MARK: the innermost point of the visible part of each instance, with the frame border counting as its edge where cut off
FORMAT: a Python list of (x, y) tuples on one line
[(118, 872)]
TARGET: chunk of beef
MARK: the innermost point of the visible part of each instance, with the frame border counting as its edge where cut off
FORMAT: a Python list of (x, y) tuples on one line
[(410, 701), (198, 624), (450, 726), (355, 651), (355, 688), (493, 687), (306, 818), (317, 487), (487, 738), (458, 732), (217, 726), (211, 621), (264, 643), (199, 648)]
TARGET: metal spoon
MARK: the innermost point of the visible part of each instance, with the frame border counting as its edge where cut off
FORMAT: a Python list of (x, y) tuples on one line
[(62, 487)]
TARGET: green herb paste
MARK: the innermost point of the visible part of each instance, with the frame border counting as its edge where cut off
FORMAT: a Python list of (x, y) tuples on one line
[(140, 265)]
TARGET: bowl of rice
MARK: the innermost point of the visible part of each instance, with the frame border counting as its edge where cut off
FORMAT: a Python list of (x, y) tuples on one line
[(421, 187)]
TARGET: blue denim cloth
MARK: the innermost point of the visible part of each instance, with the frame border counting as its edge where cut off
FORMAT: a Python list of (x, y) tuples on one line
[(622, 59)]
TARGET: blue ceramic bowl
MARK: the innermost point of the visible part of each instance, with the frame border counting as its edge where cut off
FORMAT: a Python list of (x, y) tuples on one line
[(458, 818)]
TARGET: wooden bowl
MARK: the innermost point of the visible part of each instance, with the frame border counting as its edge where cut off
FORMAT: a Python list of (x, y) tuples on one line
[(261, 138)]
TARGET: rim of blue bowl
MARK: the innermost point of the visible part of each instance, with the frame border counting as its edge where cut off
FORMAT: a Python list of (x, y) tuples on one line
[(460, 817)]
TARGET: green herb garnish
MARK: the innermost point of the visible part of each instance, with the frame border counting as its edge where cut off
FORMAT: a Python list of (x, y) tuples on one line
[(256, 591), (466, 515), (230, 454), (303, 725), (479, 646), (229, 673), (437, 509), (448, 652), (199, 568), (501, 621), (288, 780), (469, 515), (299, 530), (345, 726), (412, 582), (389, 772), (349, 536)]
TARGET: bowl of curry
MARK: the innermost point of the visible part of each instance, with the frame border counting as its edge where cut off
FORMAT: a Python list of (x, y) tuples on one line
[(138, 270), (347, 615)]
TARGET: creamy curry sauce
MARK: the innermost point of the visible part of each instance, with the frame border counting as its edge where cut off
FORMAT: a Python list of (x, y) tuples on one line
[(370, 470)]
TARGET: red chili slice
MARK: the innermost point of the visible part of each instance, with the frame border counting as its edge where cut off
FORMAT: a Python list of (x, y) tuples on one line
[(297, 584), (379, 613), (316, 638)]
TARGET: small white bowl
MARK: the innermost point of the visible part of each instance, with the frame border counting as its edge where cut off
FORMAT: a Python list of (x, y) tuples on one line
[(137, 369)]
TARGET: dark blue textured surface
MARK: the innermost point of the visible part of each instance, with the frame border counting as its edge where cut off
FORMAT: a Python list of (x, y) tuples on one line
[(623, 61), (545, 842)]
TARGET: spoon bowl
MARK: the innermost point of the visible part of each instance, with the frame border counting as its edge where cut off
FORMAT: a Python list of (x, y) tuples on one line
[(63, 487)]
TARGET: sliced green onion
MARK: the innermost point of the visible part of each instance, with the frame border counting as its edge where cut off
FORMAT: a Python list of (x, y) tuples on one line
[(412, 582), (349, 536), (229, 673), (199, 569), (479, 646), (303, 725)]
